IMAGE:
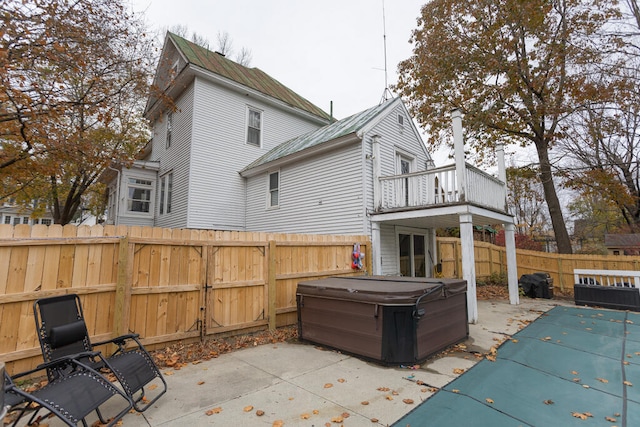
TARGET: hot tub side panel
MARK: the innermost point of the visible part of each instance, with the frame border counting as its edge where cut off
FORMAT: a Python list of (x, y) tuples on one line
[(351, 326), (443, 324)]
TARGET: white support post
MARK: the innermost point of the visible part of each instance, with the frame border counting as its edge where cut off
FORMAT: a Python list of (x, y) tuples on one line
[(375, 153), (458, 145), (433, 240), (512, 265), (375, 246), (469, 265), (502, 171)]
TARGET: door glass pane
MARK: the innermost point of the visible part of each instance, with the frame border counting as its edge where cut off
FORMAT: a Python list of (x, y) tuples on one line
[(419, 259), (405, 254)]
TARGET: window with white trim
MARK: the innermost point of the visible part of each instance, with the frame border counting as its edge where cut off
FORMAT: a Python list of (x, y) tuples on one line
[(254, 126), (169, 130), (45, 221), (166, 190), (139, 195), (274, 189), (7, 219)]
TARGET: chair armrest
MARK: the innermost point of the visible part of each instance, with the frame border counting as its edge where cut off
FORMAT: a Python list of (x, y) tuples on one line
[(73, 358), (118, 340)]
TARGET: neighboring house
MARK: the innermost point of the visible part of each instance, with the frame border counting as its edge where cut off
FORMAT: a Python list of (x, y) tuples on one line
[(14, 214), (242, 152), (622, 244)]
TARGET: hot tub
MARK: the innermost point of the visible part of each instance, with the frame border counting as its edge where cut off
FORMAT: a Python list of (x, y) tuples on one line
[(392, 320)]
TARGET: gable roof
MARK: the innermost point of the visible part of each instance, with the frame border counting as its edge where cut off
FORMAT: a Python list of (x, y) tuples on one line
[(354, 124), (622, 240), (253, 78)]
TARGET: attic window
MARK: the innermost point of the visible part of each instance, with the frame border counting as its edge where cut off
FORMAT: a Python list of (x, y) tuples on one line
[(174, 70), (169, 130), (401, 122)]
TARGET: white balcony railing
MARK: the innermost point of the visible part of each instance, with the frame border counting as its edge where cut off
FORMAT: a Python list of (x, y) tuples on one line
[(439, 186)]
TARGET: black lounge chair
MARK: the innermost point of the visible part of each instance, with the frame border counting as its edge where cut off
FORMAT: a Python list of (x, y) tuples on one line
[(62, 332), (71, 397)]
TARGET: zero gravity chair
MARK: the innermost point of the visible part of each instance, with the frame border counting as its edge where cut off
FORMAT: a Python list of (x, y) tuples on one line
[(62, 332), (71, 397)]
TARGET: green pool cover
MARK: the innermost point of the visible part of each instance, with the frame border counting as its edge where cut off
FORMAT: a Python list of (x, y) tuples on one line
[(571, 367)]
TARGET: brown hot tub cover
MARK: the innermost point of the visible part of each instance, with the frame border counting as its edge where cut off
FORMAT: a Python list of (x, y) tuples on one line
[(387, 319)]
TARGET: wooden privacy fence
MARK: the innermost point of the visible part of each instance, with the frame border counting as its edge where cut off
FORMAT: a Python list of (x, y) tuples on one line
[(493, 259), (165, 284)]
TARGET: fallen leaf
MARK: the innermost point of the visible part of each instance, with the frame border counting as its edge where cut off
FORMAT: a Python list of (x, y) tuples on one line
[(585, 386), (328, 385), (627, 383), (152, 387), (574, 372), (278, 423), (336, 420), (305, 416), (374, 420), (168, 373), (395, 393), (248, 408), (315, 412), (341, 380), (214, 411), (458, 371), (514, 341), (364, 402), (345, 415), (579, 415), (200, 382), (383, 389), (388, 397), (548, 402), (489, 400), (455, 390), (610, 419), (602, 380), (408, 401), (259, 413)]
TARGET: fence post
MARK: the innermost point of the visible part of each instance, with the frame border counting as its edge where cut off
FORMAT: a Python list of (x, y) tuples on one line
[(123, 287), (271, 287), (560, 274)]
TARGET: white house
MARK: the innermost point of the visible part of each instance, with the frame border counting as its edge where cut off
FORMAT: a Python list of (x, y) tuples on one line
[(242, 152)]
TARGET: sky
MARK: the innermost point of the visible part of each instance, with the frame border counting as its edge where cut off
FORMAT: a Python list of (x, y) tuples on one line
[(328, 50)]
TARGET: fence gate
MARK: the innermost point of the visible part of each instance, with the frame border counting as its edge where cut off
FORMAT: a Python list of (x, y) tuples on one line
[(236, 289)]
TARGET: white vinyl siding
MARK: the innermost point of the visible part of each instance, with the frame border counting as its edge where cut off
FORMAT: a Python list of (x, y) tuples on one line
[(217, 191), (318, 195), (176, 160)]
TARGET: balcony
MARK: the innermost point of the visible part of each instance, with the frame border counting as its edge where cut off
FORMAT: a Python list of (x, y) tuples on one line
[(440, 187)]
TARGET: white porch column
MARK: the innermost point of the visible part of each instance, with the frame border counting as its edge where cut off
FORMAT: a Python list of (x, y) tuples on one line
[(469, 265), (458, 145), (512, 265), (376, 261), (377, 191), (502, 171)]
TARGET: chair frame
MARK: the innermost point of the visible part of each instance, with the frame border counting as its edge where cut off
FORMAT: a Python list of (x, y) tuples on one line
[(131, 363), (55, 397)]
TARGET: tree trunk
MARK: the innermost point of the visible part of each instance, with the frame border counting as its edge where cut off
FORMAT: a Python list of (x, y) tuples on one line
[(553, 203)]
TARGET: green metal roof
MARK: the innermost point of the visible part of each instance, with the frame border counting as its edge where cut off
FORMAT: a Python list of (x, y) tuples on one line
[(253, 78), (327, 133)]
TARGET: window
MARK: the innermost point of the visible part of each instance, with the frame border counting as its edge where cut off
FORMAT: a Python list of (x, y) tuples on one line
[(7, 219), (16, 220), (36, 221), (45, 221), (274, 189), (254, 127), (139, 195), (169, 129), (25, 220), (404, 167), (166, 188)]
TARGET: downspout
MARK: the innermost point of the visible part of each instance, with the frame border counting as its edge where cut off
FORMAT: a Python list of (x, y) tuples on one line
[(117, 208)]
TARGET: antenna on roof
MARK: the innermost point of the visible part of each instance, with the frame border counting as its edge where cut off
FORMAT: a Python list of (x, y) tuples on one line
[(386, 94)]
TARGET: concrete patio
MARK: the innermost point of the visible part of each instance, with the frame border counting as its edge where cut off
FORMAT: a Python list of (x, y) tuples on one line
[(299, 384)]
